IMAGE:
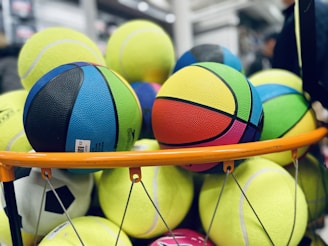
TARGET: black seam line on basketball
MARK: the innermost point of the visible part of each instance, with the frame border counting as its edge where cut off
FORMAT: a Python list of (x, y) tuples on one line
[(292, 126), (227, 84), (234, 117), (279, 95), (234, 97), (197, 142), (212, 109), (115, 107), (251, 113)]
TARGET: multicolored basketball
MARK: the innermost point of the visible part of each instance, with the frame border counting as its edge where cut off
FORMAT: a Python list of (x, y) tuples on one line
[(277, 76), (146, 93), (208, 53), (287, 112), (206, 104), (183, 236), (81, 107)]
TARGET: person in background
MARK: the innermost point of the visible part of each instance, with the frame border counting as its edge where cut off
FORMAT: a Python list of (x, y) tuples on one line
[(9, 78), (263, 58), (285, 52)]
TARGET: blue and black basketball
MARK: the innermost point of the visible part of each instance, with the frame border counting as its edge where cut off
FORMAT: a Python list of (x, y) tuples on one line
[(208, 53), (82, 107)]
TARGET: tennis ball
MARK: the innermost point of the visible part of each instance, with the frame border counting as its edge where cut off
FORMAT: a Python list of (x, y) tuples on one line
[(12, 134), (311, 176), (52, 47), (170, 188), (146, 144), (93, 230), (270, 189), (140, 50)]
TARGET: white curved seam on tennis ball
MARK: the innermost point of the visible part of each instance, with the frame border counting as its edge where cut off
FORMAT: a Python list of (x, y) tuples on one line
[(13, 140), (53, 233), (242, 198), (111, 232), (36, 60), (155, 200), (125, 42)]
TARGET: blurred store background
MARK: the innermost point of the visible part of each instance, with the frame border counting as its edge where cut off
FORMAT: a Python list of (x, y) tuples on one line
[(238, 25)]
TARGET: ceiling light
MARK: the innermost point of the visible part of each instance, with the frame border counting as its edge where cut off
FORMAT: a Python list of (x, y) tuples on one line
[(170, 18), (143, 6)]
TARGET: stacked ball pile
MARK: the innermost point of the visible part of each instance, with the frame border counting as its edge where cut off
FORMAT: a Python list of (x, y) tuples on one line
[(139, 96)]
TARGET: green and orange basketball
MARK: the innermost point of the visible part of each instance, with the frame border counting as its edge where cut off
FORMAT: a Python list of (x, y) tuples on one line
[(206, 104)]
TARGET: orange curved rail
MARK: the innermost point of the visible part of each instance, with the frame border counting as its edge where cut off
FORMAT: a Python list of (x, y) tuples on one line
[(179, 156)]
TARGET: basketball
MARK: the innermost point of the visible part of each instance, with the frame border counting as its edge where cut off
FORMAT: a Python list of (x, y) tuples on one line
[(146, 93), (206, 104), (80, 107), (277, 76), (183, 236), (287, 113), (208, 53)]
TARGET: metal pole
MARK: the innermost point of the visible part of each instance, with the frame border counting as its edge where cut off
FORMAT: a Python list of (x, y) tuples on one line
[(12, 213), (182, 27), (89, 8)]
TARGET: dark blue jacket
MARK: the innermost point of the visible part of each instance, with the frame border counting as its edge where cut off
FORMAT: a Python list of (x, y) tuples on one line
[(285, 52)]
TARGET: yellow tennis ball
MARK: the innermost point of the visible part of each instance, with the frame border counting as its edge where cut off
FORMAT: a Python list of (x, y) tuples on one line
[(146, 144), (270, 189), (52, 47), (139, 145), (12, 134), (141, 50), (93, 230), (311, 178), (170, 187)]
